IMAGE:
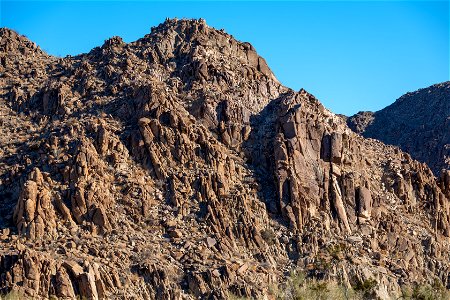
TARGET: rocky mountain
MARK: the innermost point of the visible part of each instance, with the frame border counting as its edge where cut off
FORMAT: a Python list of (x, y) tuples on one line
[(178, 167), (418, 123)]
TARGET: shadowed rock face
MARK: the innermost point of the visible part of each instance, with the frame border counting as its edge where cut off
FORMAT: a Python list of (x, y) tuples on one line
[(177, 166), (418, 122)]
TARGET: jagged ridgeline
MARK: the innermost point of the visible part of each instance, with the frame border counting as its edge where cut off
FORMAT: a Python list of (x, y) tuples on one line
[(178, 167)]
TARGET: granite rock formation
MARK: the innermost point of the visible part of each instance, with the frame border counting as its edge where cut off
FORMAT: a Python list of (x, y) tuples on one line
[(178, 167)]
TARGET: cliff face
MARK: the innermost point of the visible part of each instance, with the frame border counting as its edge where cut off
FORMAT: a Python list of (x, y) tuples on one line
[(177, 166), (418, 123)]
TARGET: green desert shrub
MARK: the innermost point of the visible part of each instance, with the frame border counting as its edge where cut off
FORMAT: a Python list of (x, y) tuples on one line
[(435, 291), (269, 236), (12, 295), (299, 287), (366, 288)]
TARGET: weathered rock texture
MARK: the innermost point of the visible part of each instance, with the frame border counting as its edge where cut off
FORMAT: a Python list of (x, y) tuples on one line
[(418, 122), (178, 167)]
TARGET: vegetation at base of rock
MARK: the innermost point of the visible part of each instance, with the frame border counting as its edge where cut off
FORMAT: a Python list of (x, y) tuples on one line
[(269, 236), (337, 251), (435, 291), (299, 287), (366, 287), (13, 295)]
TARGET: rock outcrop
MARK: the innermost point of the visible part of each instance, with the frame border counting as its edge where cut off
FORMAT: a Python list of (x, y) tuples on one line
[(178, 167)]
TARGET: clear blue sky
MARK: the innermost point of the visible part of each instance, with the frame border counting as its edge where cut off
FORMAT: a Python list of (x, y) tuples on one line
[(354, 55)]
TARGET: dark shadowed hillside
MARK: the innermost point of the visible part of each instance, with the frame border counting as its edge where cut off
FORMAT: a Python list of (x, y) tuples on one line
[(418, 122)]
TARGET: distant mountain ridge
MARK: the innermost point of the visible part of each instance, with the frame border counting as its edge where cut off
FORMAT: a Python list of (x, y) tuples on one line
[(418, 122)]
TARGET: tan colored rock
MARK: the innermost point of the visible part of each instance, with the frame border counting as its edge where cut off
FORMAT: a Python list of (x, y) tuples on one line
[(63, 286), (178, 167), (365, 202)]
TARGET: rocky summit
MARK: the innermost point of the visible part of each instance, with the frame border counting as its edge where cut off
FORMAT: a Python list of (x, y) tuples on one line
[(178, 167)]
